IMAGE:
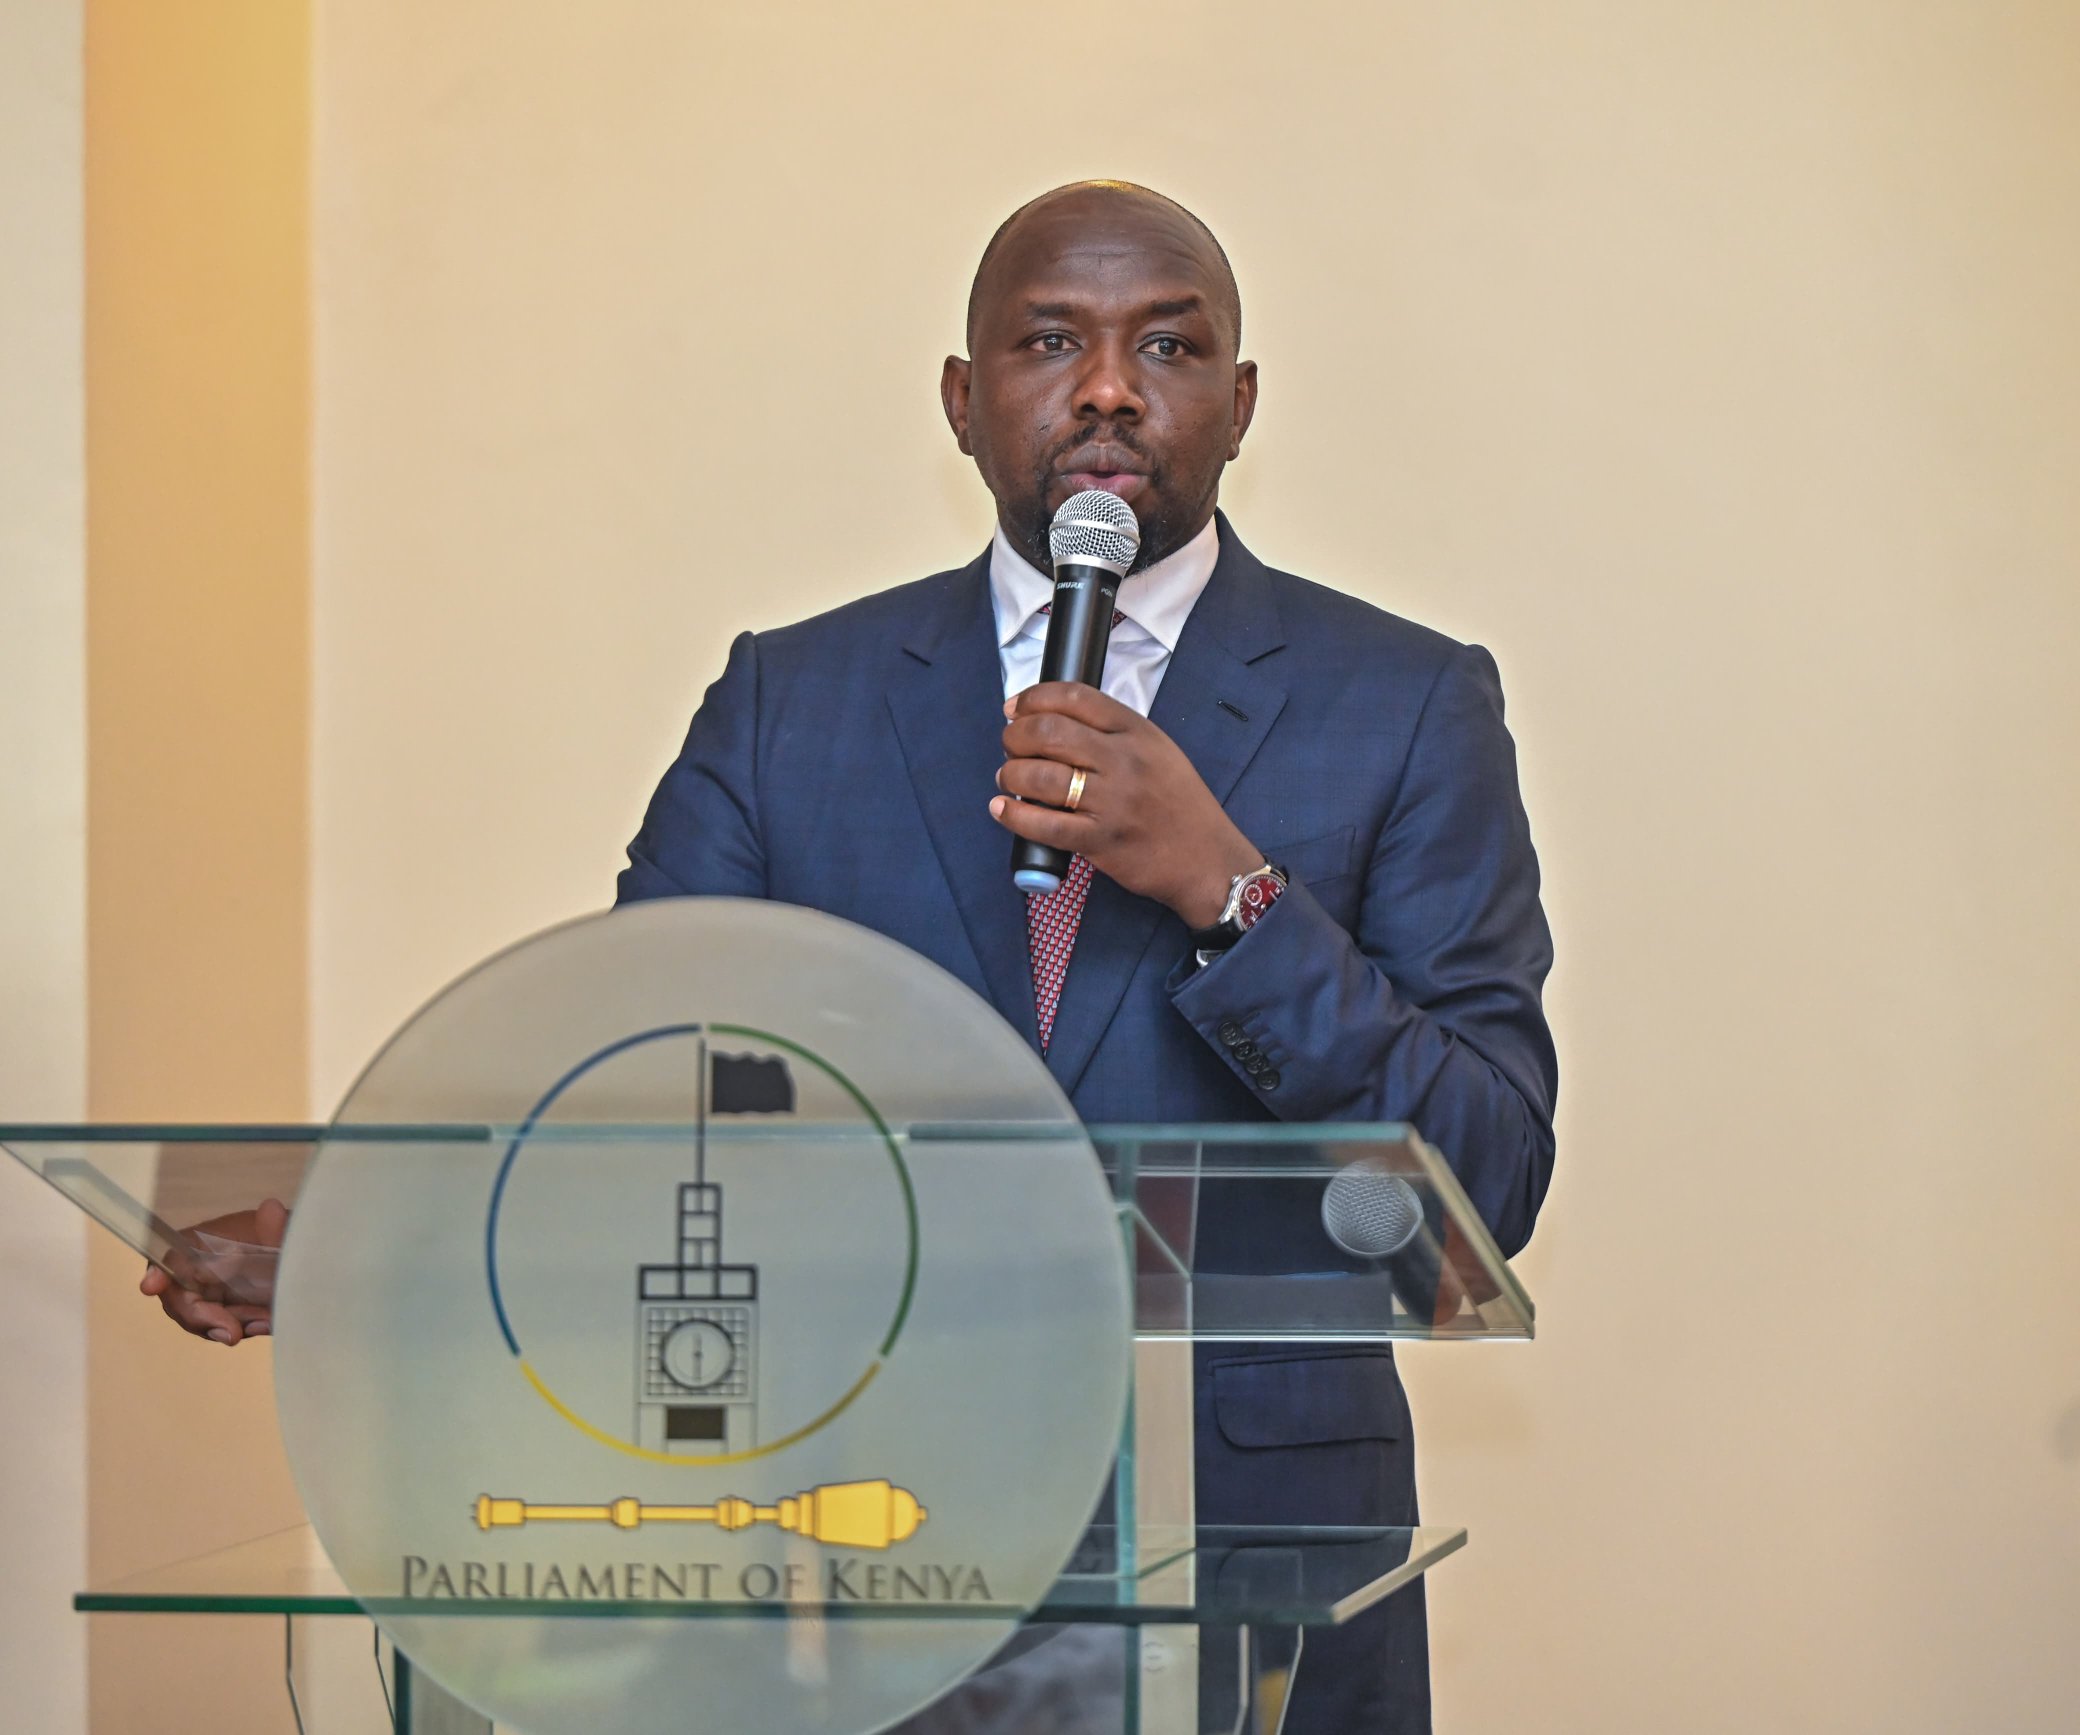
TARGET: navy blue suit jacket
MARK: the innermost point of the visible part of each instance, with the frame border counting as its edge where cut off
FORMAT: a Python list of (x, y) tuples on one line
[(846, 764)]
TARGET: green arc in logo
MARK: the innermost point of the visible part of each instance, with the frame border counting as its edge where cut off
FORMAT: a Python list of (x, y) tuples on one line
[(888, 1342)]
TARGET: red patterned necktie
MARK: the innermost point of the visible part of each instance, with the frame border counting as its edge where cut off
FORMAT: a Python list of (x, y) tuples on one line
[(1051, 924)]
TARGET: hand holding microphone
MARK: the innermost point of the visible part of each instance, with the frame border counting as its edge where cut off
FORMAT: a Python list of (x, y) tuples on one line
[(1093, 777), (1093, 541)]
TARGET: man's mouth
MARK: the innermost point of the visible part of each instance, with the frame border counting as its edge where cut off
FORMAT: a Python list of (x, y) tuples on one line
[(1125, 483), (1114, 473)]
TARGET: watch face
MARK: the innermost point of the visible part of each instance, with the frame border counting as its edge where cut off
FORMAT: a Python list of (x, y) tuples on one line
[(1254, 896)]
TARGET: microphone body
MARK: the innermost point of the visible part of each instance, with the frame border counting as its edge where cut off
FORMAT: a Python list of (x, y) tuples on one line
[(1093, 541), (1080, 625), (1078, 630)]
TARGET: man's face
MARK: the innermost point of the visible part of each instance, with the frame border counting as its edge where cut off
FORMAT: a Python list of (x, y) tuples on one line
[(1104, 357)]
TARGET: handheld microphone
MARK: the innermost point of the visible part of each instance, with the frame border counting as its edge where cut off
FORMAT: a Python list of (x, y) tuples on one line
[(1092, 542)]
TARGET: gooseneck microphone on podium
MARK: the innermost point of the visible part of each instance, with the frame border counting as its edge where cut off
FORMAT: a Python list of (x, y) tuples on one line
[(1373, 1214), (1092, 541)]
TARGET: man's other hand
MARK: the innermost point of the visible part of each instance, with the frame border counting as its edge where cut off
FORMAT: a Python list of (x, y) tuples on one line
[(225, 1292), (1145, 817)]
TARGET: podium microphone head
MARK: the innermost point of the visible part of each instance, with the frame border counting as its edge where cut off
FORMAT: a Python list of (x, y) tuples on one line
[(1369, 1211), (1094, 528)]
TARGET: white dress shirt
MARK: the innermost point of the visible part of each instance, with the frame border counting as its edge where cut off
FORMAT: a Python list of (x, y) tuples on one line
[(1157, 602)]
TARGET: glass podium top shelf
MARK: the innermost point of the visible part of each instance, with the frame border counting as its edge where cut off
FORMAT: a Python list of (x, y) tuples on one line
[(1230, 1576), (1237, 1233)]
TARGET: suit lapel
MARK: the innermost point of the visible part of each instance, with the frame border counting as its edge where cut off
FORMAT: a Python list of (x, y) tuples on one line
[(947, 701), (1233, 625)]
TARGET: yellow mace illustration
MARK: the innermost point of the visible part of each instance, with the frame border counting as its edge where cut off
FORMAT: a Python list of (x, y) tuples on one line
[(843, 1514)]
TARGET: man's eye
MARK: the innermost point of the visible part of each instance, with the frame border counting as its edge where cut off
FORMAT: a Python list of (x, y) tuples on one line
[(1168, 348), (1050, 342)]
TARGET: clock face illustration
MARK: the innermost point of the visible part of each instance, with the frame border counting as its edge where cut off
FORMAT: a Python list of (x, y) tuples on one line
[(698, 1354)]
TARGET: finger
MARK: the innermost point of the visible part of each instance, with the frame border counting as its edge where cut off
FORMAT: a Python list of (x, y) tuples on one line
[(1070, 831), (1054, 735), (1073, 699), (1046, 781), (188, 1280), (180, 1267), (201, 1318), (196, 1280), (271, 1219), (253, 1320)]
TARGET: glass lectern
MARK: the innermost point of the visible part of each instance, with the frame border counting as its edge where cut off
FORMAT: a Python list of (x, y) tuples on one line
[(712, 1317), (1237, 1602)]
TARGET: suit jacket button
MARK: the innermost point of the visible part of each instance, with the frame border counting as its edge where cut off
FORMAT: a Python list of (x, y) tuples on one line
[(1267, 1080), (1255, 1063), (1230, 1032), (1247, 1052)]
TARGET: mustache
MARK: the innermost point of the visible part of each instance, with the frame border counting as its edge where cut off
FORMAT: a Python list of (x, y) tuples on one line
[(1155, 528), (1123, 438)]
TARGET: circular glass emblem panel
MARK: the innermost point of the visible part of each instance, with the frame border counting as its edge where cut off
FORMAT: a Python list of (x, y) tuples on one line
[(706, 1316)]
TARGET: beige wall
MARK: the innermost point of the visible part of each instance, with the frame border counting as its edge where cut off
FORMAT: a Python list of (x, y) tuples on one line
[(43, 796), (197, 374), (1714, 364)]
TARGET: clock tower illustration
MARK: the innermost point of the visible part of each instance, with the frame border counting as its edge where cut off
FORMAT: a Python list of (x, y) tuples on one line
[(697, 1319)]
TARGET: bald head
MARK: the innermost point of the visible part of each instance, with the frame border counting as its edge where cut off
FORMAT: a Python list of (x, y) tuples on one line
[(1087, 215), (1102, 353)]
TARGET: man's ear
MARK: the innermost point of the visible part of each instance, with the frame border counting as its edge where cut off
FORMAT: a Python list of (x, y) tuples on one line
[(953, 394), (1245, 405)]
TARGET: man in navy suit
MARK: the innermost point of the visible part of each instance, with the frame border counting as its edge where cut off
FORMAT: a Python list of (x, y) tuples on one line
[(1305, 887)]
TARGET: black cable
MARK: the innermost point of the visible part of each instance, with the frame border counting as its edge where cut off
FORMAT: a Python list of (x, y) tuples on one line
[(289, 1669)]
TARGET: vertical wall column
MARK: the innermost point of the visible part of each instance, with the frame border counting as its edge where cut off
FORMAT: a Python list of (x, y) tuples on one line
[(43, 777), (198, 577)]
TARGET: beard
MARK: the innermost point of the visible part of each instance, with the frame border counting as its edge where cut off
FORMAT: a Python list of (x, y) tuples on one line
[(1164, 528)]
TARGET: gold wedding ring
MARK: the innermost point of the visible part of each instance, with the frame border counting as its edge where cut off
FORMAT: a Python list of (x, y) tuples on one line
[(1076, 776)]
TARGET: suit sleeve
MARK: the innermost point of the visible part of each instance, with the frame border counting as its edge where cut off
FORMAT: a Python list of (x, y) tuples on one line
[(700, 835), (1431, 1012)]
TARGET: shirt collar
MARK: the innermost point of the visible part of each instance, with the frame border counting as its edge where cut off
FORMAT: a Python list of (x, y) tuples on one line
[(1158, 600)]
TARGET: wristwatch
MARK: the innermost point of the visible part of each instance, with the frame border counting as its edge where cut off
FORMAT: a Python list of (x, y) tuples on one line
[(1249, 896)]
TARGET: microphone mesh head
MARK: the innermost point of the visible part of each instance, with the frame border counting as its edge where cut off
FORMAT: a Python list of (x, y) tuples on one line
[(1369, 1211), (1095, 528)]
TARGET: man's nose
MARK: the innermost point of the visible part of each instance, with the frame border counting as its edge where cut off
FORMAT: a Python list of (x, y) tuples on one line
[(1107, 387)]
